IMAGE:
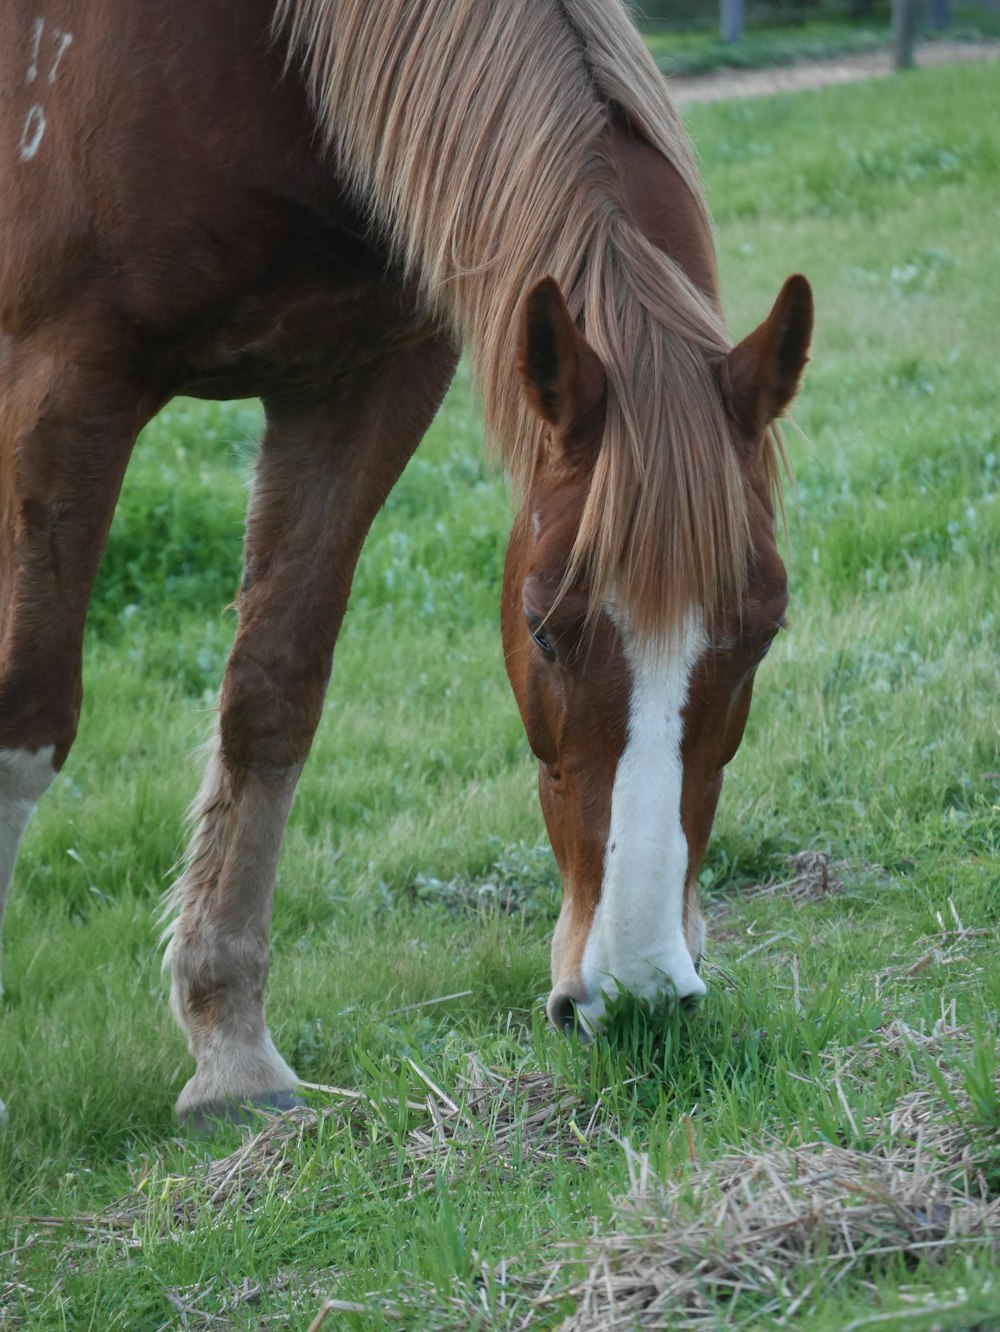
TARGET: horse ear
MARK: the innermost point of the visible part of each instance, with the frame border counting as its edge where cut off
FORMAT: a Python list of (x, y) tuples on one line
[(562, 376), (765, 368)]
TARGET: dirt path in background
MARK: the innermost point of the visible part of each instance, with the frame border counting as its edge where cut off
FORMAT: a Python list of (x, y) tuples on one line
[(687, 88)]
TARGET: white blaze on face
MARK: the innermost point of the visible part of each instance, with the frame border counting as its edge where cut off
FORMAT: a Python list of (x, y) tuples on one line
[(637, 939), (24, 777)]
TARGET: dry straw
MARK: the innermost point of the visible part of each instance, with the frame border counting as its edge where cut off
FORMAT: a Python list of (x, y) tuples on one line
[(754, 1235), (728, 1240), (492, 1119), (810, 876)]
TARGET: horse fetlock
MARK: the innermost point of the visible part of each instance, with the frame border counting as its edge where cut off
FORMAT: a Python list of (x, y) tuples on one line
[(216, 985), (207, 1116), (217, 996), (235, 1073)]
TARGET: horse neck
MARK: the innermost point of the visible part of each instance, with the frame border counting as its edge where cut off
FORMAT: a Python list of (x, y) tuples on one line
[(662, 207), (469, 132)]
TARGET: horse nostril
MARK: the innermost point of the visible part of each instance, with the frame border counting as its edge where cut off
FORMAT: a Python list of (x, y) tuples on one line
[(562, 1013)]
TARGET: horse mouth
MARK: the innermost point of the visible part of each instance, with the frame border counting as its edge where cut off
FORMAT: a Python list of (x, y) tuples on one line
[(574, 1010)]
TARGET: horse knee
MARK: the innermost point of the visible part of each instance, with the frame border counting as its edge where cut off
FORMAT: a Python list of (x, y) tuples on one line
[(215, 971), (39, 709), (40, 701), (271, 704)]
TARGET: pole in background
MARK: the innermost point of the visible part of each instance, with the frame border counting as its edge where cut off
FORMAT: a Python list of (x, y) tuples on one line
[(904, 27), (731, 20), (938, 14)]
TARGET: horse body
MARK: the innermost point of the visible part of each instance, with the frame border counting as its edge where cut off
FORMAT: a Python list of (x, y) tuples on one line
[(173, 221)]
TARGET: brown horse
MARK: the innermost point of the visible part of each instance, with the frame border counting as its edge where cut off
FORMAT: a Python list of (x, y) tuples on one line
[(316, 203)]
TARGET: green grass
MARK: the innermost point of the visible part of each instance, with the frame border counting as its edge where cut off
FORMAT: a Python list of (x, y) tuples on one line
[(873, 736), (699, 52), (702, 52)]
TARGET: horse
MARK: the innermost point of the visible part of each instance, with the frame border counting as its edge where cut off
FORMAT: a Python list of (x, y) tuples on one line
[(319, 203)]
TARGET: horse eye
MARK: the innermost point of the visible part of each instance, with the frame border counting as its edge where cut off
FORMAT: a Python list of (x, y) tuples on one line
[(768, 645), (541, 639)]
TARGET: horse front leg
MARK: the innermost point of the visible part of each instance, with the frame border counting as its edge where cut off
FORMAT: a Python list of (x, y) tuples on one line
[(68, 420), (323, 472)]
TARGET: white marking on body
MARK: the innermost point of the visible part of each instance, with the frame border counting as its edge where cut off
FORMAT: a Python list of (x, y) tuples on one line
[(24, 777), (36, 46), (33, 129), (31, 134), (637, 938), (64, 40)]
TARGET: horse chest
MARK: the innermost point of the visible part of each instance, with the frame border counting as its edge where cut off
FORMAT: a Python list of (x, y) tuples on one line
[(301, 325)]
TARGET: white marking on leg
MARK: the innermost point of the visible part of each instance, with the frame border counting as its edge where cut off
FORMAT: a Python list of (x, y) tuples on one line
[(637, 936), (24, 777), (219, 939)]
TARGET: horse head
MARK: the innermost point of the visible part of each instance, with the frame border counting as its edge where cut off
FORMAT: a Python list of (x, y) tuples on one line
[(632, 733)]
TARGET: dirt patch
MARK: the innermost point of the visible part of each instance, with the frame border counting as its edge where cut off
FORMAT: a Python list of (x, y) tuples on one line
[(721, 84)]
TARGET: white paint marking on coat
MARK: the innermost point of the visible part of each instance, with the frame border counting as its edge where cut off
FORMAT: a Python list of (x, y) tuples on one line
[(64, 39), (36, 46), (637, 936), (24, 777), (33, 129), (31, 135)]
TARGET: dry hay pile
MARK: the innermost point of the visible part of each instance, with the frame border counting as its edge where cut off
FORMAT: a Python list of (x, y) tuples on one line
[(161, 1204), (525, 1119), (734, 1236), (493, 1120), (809, 876), (733, 1239), (953, 944), (747, 1225)]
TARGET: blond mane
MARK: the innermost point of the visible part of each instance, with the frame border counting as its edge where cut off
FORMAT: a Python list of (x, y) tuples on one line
[(475, 133)]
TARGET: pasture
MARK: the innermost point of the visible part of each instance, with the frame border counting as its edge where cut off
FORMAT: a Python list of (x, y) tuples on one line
[(415, 865)]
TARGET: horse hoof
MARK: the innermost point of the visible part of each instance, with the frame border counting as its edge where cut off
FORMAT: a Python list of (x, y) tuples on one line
[(206, 1119)]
